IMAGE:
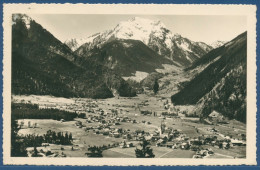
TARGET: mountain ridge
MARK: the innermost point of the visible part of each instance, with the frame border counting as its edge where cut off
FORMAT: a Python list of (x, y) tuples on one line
[(125, 57), (217, 44), (221, 85), (42, 65), (154, 34)]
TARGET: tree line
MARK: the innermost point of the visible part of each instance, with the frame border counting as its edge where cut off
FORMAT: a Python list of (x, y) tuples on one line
[(52, 137), (30, 111), (230, 97)]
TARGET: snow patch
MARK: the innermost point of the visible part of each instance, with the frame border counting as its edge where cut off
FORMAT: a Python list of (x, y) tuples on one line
[(26, 19), (204, 46), (145, 30), (185, 46), (138, 76), (136, 29), (217, 44), (35, 99)]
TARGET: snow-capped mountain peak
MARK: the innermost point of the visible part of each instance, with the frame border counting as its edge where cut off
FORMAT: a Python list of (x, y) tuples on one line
[(26, 19), (152, 33), (136, 28), (139, 29), (217, 44)]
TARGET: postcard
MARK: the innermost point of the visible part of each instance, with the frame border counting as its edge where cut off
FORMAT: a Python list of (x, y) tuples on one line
[(129, 84)]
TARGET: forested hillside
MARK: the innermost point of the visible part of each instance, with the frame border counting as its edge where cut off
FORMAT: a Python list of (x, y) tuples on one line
[(43, 65), (125, 57), (220, 86)]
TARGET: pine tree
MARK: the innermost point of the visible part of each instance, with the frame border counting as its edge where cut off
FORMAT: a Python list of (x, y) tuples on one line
[(35, 152), (145, 151), (18, 148), (66, 138), (95, 151), (155, 87), (54, 137), (70, 138)]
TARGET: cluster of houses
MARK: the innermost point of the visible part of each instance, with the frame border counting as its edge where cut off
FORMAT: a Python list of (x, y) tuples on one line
[(203, 153), (107, 127), (43, 152), (84, 106), (105, 122), (172, 138), (215, 118), (79, 106), (163, 137)]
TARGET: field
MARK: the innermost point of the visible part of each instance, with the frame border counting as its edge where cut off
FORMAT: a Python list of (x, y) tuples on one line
[(129, 107), (83, 139)]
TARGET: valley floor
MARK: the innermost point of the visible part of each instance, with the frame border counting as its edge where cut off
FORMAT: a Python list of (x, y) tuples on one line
[(130, 110)]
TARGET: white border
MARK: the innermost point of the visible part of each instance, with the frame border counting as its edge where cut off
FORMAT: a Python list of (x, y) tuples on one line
[(149, 9)]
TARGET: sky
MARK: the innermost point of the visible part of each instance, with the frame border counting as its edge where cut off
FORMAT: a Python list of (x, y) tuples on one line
[(205, 28)]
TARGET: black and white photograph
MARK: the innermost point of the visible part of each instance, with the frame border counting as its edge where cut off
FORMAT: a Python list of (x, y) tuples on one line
[(125, 85)]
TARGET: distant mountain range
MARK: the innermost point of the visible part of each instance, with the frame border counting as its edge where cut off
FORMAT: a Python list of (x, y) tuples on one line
[(153, 34), (221, 85), (43, 65)]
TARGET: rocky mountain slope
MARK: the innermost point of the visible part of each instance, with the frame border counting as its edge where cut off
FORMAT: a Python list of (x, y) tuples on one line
[(221, 86), (217, 44), (125, 57), (74, 43), (43, 65), (154, 34)]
